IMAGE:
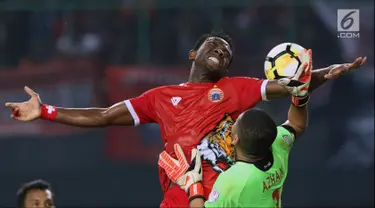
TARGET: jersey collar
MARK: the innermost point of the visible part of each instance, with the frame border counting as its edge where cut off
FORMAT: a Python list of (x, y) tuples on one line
[(264, 164)]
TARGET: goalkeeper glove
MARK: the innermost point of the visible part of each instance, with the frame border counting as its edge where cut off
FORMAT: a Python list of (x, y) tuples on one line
[(188, 177), (298, 85)]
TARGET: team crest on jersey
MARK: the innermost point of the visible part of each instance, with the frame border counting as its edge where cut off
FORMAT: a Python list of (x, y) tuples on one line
[(215, 94), (216, 147)]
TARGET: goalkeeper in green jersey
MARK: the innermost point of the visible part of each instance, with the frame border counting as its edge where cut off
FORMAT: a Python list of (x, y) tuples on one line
[(258, 175)]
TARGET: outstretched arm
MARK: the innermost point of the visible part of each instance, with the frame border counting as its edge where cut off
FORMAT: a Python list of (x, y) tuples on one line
[(275, 91), (318, 77), (118, 114), (130, 112), (297, 119)]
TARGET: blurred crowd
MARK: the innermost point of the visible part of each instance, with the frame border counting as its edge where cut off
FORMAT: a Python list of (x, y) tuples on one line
[(164, 37), (342, 115), (117, 37)]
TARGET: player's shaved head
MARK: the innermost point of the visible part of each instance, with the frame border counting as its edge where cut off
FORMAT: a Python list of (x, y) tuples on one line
[(256, 131)]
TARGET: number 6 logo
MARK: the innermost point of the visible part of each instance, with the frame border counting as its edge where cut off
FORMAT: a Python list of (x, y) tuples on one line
[(347, 18)]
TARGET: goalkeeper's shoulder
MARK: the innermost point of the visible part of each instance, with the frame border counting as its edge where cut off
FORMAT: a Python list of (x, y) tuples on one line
[(286, 129), (285, 137)]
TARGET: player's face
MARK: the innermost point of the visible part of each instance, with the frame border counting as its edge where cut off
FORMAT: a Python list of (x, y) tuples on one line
[(39, 199), (215, 53)]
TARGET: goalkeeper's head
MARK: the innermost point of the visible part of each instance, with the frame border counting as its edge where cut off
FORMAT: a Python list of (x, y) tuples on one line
[(253, 133)]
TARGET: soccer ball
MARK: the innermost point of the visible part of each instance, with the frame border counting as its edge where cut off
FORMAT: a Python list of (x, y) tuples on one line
[(282, 61)]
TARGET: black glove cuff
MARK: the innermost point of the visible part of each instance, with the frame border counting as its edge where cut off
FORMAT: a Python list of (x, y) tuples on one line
[(300, 102)]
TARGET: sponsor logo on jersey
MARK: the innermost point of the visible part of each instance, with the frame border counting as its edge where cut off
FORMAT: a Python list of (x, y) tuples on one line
[(175, 100), (216, 147), (215, 94), (213, 196), (288, 139)]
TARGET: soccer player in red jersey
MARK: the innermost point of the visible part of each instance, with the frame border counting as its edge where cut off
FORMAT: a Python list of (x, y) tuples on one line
[(204, 108)]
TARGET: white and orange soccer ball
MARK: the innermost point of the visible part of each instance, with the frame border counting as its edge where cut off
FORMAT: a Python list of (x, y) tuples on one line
[(282, 61)]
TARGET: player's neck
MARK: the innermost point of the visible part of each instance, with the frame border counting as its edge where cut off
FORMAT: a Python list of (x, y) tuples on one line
[(200, 74), (240, 156), (248, 158)]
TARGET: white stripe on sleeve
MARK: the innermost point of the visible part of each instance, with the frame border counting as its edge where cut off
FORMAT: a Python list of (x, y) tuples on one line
[(132, 112), (263, 90)]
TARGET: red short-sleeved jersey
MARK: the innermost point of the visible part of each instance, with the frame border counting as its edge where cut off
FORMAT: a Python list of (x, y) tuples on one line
[(199, 115)]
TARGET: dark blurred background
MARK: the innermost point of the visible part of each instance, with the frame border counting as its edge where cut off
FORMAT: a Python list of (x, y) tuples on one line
[(81, 53)]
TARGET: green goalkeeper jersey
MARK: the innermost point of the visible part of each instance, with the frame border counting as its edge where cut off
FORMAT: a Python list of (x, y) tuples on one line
[(251, 185)]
